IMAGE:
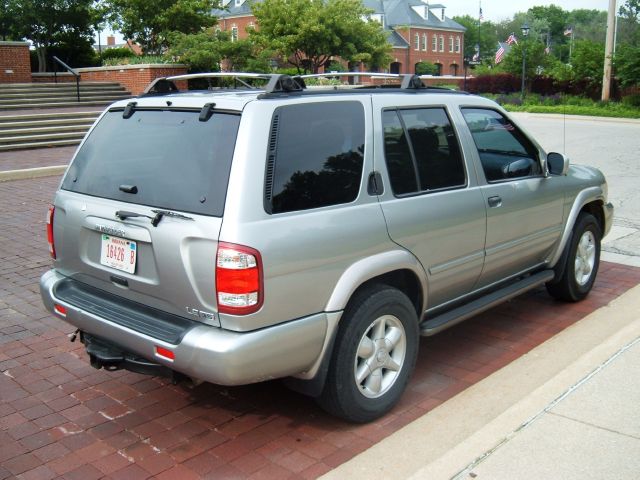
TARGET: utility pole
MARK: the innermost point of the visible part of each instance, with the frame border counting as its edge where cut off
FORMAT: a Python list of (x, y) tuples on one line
[(608, 51)]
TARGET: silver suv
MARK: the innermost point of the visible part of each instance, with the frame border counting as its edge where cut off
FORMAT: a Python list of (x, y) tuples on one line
[(236, 235)]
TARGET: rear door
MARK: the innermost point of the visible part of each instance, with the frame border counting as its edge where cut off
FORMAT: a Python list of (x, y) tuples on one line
[(432, 206), (140, 208)]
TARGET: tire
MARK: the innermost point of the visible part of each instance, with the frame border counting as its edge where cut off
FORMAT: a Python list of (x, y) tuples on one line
[(373, 356), (580, 269)]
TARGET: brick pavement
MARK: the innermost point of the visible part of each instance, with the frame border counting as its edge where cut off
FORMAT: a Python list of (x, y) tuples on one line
[(38, 157), (60, 417)]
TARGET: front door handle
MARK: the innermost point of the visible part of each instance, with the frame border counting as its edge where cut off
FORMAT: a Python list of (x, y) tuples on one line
[(495, 201)]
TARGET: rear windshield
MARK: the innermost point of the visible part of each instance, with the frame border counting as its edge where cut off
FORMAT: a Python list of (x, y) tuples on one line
[(173, 160)]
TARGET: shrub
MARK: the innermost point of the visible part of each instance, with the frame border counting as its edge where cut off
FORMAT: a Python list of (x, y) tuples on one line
[(120, 52), (632, 100)]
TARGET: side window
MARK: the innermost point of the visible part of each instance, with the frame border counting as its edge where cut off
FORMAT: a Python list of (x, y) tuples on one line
[(505, 152), (316, 153), (421, 151)]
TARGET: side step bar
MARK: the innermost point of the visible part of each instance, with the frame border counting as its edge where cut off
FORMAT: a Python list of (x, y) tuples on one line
[(453, 317)]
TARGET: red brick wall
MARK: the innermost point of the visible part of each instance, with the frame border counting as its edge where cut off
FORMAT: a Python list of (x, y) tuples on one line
[(47, 77), (409, 58), (15, 65), (226, 24), (134, 78)]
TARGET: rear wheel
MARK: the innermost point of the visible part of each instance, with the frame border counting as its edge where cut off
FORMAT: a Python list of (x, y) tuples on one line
[(374, 355), (581, 268)]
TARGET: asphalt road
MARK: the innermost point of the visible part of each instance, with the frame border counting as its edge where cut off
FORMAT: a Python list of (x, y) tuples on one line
[(612, 145)]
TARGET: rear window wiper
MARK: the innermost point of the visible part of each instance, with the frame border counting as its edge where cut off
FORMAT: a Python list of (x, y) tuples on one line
[(155, 220)]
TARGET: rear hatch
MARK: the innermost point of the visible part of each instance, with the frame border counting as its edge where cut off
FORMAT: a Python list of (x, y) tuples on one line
[(140, 208)]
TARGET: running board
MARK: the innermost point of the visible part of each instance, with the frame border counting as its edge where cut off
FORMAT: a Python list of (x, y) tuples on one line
[(453, 317)]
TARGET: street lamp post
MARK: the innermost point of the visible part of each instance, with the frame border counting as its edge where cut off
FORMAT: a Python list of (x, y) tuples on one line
[(525, 34)]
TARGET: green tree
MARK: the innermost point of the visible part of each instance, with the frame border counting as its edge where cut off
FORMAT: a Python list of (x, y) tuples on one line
[(487, 35), (588, 61), (426, 68), (628, 65), (308, 33), (149, 22), (536, 59), (207, 51), (51, 22)]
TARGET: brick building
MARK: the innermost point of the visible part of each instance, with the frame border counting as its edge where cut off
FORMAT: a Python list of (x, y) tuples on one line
[(417, 31)]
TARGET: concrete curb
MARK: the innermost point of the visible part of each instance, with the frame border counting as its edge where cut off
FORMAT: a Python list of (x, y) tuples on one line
[(447, 440), (28, 173)]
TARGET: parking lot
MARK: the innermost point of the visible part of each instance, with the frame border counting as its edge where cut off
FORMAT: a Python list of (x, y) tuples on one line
[(61, 417)]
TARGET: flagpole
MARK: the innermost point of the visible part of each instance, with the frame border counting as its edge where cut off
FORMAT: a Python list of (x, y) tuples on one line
[(479, 22)]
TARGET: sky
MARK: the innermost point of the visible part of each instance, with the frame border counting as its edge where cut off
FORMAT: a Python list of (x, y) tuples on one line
[(496, 10)]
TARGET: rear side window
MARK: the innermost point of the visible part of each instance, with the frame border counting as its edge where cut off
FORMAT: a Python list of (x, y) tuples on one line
[(421, 151), (173, 160), (315, 158)]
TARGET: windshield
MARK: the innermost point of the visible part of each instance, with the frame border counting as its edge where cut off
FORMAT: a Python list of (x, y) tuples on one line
[(161, 158)]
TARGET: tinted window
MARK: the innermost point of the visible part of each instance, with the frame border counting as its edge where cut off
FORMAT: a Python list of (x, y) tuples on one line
[(431, 160), (400, 164), (175, 161), (316, 155), (504, 150)]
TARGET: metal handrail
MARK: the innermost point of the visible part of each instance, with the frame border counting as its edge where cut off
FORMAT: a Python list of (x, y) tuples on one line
[(69, 69)]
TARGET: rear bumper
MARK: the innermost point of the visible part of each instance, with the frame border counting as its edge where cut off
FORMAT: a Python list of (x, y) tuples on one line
[(209, 353)]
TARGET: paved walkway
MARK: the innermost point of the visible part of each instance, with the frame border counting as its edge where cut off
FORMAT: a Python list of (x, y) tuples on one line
[(58, 416), (37, 157)]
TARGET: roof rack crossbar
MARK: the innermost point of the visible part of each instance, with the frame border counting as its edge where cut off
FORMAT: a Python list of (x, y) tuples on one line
[(160, 86), (280, 83)]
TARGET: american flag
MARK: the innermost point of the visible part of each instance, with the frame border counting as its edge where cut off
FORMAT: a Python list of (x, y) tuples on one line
[(499, 53), (512, 39)]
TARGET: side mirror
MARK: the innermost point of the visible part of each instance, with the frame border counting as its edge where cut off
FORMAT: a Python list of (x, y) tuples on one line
[(557, 163)]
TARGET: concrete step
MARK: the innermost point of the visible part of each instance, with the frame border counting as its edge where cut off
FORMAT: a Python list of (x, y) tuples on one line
[(20, 126), (39, 144), (49, 116), (57, 103), (20, 132), (62, 98), (40, 85), (48, 137), (63, 93)]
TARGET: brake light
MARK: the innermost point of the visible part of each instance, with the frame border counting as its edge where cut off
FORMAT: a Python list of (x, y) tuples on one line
[(52, 247), (60, 310), (239, 282)]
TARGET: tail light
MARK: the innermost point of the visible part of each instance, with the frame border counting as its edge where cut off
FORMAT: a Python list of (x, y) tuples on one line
[(239, 283), (52, 247)]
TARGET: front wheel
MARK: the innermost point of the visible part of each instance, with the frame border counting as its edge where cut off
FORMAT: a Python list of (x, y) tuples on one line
[(374, 355), (581, 268)]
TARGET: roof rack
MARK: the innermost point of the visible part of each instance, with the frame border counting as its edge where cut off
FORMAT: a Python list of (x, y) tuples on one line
[(279, 84), (276, 83)]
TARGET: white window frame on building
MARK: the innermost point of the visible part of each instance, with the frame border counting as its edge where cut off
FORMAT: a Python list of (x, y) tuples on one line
[(457, 44), (434, 43), (234, 33), (441, 44), (416, 41), (424, 42), (450, 44)]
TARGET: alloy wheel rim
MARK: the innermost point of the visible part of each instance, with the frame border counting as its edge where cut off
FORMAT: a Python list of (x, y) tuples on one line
[(585, 258), (380, 356)]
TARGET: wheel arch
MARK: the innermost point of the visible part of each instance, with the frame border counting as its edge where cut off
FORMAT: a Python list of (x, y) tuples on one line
[(590, 200), (396, 268)]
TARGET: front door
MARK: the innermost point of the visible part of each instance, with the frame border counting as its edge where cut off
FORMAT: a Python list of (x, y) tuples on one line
[(524, 208)]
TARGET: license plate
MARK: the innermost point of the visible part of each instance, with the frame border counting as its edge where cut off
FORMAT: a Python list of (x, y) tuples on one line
[(118, 253)]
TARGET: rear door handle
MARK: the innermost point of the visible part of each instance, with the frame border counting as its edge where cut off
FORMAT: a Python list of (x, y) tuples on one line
[(495, 201)]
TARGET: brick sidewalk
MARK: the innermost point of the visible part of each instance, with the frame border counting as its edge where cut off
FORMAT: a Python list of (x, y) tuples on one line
[(37, 157), (60, 417)]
